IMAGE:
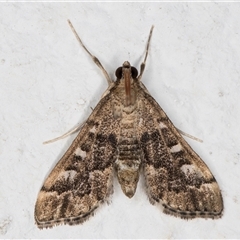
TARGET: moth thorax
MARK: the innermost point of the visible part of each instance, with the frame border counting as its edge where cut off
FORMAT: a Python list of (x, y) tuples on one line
[(128, 175)]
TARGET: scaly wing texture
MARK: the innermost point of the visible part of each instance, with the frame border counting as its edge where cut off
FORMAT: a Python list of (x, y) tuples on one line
[(175, 175), (82, 179)]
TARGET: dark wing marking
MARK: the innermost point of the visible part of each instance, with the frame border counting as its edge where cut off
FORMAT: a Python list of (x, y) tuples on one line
[(82, 179), (175, 175)]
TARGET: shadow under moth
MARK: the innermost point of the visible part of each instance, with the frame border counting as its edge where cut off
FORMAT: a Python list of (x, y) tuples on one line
[(126, 132)]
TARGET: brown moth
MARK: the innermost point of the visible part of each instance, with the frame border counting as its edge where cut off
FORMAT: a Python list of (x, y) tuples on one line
[(127, 131)]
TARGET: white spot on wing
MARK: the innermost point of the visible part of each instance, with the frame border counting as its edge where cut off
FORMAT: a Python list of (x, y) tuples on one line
[(93, 129), (176, 148), (191, 170), (67, 175), (162, 125), (188, 169), (80, 153)]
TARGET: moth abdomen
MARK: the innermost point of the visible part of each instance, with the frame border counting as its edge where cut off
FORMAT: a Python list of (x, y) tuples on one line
[(128, 165)]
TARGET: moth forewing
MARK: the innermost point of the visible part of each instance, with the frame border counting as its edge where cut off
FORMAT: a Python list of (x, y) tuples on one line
[(175, 175), (127, 131)]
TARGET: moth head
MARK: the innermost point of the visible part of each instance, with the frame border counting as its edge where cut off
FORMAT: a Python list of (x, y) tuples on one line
[(127, 74), (125, 68)]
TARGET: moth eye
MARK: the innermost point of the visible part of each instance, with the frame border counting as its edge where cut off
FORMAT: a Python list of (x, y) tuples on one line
[(118, 73), (134, 72)]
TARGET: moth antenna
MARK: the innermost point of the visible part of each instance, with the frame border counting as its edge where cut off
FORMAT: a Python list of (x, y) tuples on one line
[(95, 59), (142, 67)]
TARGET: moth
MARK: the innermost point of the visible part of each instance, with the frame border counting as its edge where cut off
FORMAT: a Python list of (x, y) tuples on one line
[(127, 132)]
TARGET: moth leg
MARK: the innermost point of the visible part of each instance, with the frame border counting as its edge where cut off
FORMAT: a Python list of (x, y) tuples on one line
[(142, 67), (77, 128), (95, 59), (189, 136)]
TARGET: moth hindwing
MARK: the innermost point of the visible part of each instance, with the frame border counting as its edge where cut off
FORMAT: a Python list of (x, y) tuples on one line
[(127, 131)]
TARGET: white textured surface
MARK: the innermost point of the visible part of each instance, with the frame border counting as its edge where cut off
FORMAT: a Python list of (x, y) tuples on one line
[(48, 84)]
